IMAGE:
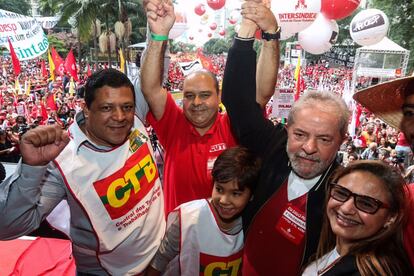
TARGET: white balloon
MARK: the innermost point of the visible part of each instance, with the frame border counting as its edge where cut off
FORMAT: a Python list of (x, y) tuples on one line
[(295, 15), (319, 37), (369, 27)]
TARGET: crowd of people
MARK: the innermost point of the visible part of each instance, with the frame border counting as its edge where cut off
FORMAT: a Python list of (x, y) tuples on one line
[(176, 75), (317, 75), (32, 100), (240, 194), (376, 140)]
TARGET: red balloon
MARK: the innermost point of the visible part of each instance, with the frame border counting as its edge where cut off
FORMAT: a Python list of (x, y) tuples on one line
[(232, 21), (338, 9), (209, 35), (213, 26), (222, 32), (216, 4), (200, 9)]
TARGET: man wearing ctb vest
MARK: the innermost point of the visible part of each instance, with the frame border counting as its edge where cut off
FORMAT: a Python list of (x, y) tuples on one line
[(103, 166), (282, 224)]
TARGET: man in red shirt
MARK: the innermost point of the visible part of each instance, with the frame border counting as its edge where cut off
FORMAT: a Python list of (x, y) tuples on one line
[(194, 136)]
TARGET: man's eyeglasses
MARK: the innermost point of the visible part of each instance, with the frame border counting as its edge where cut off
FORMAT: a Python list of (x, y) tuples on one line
[(363, 203)]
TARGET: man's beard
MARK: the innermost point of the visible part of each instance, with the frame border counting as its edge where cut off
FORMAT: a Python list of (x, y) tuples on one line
[(317, 168)]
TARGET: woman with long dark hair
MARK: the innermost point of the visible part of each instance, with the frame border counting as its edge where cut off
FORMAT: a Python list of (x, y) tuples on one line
[(362, 228)]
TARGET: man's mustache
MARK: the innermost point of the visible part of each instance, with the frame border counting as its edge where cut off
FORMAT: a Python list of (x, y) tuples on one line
[(309, 157)]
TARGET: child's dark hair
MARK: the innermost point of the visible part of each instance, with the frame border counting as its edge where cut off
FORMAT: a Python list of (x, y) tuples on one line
[(237, 163)]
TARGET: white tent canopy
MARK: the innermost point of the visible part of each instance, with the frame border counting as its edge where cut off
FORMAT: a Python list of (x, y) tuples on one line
[(384, 45), (384, 60)]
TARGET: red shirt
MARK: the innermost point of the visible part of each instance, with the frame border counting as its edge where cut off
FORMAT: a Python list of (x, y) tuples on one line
[(402, 141), (189, 157), (409, 229), (278, 249)]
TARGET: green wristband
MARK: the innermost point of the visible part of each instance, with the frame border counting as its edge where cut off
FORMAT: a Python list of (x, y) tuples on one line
[(159, 37)]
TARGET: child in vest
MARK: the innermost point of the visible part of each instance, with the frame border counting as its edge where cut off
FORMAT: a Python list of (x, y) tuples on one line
[(205, 236)]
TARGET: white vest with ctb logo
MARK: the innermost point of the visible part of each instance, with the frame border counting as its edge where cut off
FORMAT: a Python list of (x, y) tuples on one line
[(121, 193), (205, 249)]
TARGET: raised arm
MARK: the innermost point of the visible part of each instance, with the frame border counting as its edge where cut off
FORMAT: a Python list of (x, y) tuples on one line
[(268, 64), (239, 84), (161, 18), (257, 14)]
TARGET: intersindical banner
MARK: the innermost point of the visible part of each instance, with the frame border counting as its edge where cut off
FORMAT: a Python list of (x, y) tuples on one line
[(25, 33)]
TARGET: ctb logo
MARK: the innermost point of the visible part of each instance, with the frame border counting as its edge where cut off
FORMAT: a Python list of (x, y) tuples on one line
[(121, 191)]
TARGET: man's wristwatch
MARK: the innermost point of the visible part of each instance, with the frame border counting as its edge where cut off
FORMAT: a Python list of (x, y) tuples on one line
[(269, 36)]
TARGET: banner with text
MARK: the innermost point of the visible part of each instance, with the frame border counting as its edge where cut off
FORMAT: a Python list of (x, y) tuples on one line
[(283, 100), (48, 22), (340, 56), (25, 33)]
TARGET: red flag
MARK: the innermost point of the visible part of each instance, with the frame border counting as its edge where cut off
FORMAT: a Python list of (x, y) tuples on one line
[(15, 60), (43, 69), (205, 61), (89, 72), (58, 61), (50, 102), (41, 111), (70, 65)]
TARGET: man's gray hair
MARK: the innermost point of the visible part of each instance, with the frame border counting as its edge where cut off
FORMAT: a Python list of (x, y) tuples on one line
[(330, 100)]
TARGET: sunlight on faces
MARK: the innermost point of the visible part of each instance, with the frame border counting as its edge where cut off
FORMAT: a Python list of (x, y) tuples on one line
[(347, 222), (313, 140), (228, 200), (200, 100), (110, 116)]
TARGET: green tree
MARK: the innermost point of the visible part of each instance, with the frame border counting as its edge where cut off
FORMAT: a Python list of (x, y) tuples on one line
[(81, 12), (58, 44), (139, 23), (84, 12), (17, 6), (344, 37), (216, 46), (401, 22), (178, 46), (49, 8)]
